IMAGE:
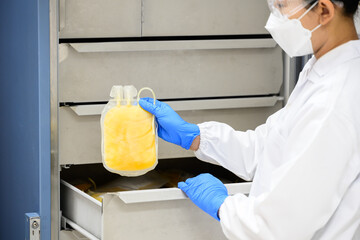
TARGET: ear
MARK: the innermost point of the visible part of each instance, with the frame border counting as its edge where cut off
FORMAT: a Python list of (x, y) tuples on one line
[(326, 11)]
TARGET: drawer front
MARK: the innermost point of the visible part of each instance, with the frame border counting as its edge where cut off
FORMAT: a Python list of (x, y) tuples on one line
[(80, 135), (105, 18), (88, 71), (204, 17), (163, 220), (157, 214)]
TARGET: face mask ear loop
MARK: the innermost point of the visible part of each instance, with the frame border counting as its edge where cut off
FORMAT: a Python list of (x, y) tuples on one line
[(319, 26), (138, 98), (307, 11)]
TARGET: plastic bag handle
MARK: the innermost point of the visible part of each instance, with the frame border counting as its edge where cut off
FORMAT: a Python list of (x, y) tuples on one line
[(146, 88), (138, 98)]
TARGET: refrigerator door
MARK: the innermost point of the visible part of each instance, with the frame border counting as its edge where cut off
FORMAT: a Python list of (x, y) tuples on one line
[(25, 117)]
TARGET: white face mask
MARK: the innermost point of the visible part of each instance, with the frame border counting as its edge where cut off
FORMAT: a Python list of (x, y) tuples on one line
[(291, 36)]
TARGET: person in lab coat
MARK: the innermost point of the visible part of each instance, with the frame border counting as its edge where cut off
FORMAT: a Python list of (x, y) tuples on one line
[(305, 160)]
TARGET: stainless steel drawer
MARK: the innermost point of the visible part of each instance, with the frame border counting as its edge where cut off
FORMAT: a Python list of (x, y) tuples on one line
[(105, 18), (80, 135), (174, 69), (158, 214), (204, 17)]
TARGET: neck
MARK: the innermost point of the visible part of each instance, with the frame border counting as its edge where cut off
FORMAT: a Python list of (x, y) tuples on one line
[(340, 34)]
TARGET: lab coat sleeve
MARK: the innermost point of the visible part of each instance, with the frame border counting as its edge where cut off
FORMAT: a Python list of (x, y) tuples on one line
[(321, 165), (234, 150)]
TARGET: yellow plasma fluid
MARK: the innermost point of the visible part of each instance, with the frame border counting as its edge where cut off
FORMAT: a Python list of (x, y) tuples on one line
[(129, 139)]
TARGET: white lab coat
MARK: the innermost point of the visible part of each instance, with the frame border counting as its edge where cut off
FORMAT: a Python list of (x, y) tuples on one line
[(304, 161)]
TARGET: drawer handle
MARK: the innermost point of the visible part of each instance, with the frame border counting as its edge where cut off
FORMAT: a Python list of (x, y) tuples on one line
[(156, 195), (231, 103), (172, 45), (191, 105)]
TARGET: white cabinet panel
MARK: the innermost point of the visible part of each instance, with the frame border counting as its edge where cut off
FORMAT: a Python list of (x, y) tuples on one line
[(204, 17), (100, 19)]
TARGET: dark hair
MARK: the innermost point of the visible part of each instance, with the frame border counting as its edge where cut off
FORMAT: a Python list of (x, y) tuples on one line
[(350, 6)]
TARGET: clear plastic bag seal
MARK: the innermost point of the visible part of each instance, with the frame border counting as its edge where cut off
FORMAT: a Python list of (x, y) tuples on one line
[(129, 142)]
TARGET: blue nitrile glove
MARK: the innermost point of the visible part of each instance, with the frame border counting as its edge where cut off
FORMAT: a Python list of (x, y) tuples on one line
[(206, 191), (171, 127)]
